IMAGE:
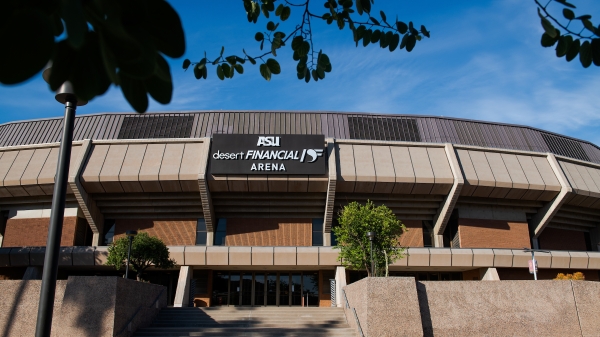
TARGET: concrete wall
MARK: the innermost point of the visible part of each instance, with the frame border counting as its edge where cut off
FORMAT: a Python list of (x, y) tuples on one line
[(462, 308), (83, 306)]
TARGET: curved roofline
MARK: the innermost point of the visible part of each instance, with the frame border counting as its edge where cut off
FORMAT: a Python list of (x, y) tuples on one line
[(311, 111)]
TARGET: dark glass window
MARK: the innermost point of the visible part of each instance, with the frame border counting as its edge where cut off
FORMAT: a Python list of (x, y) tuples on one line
[(221, 232), (201, 278), (328, 275), (317, 232), (427, 238), (110, 234), (201, 233)]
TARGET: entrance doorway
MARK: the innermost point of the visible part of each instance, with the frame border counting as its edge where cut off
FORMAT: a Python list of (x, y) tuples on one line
[(265, 288)]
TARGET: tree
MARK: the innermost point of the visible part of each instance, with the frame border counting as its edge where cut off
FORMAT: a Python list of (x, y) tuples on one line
[(96, 43), (355, 220), (568, 40), (146, 251), (311, 63)]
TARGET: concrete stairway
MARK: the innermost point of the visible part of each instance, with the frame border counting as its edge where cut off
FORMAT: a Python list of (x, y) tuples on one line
[(244, 321)]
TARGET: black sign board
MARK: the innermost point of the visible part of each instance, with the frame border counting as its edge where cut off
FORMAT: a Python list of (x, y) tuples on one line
[(268, 154)]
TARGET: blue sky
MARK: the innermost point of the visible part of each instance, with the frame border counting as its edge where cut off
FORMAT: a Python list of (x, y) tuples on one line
[(483, 61)]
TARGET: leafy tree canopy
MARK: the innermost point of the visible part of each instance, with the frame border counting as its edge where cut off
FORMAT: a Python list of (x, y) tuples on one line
[(355, 220), (576, 34), (146, 251)]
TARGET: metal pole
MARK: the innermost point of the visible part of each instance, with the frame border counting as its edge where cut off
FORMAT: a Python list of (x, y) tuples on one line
[(372, 261), (57, 213), (128, 256), (533, 262)]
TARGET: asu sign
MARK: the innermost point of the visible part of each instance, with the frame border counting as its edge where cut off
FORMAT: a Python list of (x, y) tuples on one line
[(268, 154)]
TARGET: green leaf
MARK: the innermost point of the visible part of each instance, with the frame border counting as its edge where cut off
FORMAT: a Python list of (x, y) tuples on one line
[(279, 9), (383, 17), (164, 27), (320, 73), (27, 45), (226, 70), (596, 51), (307, 76), (222, 51), (134, 91), (251, 60), (198, 72), (583, 17), (424, 31), (404, 40), (548, 27), (270, 26), (366, 5), (287, 11), (297, 42), (568, 14), (366, 38), (324, 60), (585, 54), (73, 15), (186, 64), (402, 27), (589, 26), (375, 36), (410, 43), (394, 42), (265, 72), (374, 20), (573, 50), (303, 49), (239, 68), (547, 41), (273, 66), (259, 36), (160, 90), (564, 2), (220, 73), (563, 45), (389, 36), (314, 75), (359, 7)]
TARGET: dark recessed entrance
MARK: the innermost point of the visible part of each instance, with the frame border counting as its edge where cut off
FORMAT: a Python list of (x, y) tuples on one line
[(265, 288)]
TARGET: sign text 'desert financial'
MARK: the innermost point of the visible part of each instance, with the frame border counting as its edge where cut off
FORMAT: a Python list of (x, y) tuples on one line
[(268, 154)]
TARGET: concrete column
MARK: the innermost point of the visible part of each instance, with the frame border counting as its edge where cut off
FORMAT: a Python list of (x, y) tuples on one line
[(438, 241), (87, 205), (340, 282), (330, 199), (489, 274), (210, 238), (546, 213), (447, 206), (182, 294)]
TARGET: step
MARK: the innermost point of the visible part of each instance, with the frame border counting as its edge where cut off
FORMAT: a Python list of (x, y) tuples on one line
[(247, 332)]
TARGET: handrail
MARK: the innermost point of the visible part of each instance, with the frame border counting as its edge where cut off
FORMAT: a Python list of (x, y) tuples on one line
[(354, 312), (138, 310)]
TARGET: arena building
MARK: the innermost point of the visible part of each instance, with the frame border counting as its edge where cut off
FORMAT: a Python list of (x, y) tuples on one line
[(246, 200)]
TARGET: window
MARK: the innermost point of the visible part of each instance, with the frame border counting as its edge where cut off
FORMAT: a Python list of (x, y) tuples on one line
[(221, 232), (109, 236), (328, 275), (427, 234), (201, 233), (317, 232)]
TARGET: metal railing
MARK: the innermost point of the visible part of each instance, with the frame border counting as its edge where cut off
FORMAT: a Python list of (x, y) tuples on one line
[(355, 315), (456, 241), (128, 324)]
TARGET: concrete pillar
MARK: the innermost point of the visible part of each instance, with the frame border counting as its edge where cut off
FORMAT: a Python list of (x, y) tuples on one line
[(489, 274), (326, 239), (210, 238), (33, 273), (438, 241), (182, 294), (340, 282)]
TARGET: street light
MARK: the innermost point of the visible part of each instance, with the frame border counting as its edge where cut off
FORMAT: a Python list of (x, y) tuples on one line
[(371, 236), (533, 262), (65, 95), (130, 235)]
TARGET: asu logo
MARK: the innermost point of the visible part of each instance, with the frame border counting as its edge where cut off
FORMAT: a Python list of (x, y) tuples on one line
[(268, 141)]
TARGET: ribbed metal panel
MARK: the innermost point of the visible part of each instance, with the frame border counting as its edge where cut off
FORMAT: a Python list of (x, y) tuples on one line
[(335, 125)]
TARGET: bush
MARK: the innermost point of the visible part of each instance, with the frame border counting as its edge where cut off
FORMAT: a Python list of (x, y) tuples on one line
[(575, 276)]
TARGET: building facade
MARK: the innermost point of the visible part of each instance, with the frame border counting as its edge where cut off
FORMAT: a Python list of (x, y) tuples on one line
[(246, 200)]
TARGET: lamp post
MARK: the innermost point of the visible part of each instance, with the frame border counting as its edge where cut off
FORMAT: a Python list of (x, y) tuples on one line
[(371, 236), (65, 95), (130, 235), (533, 261)]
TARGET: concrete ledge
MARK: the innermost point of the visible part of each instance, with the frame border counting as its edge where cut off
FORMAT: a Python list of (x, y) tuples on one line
[(544, 260), (177, 253), (100, 255), (521, 259), (262, 256), (483, 258), (240, 256), (37, 255), (307, 256), (4, 257), (579, 260), (195, 255), (462, 257), (418, 257), (594, 260), (560, 259), (217, 256), (284, 256), (440, 257), (65, 256), (83, 256), (328, 256), (503, 258), (19, 256)]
